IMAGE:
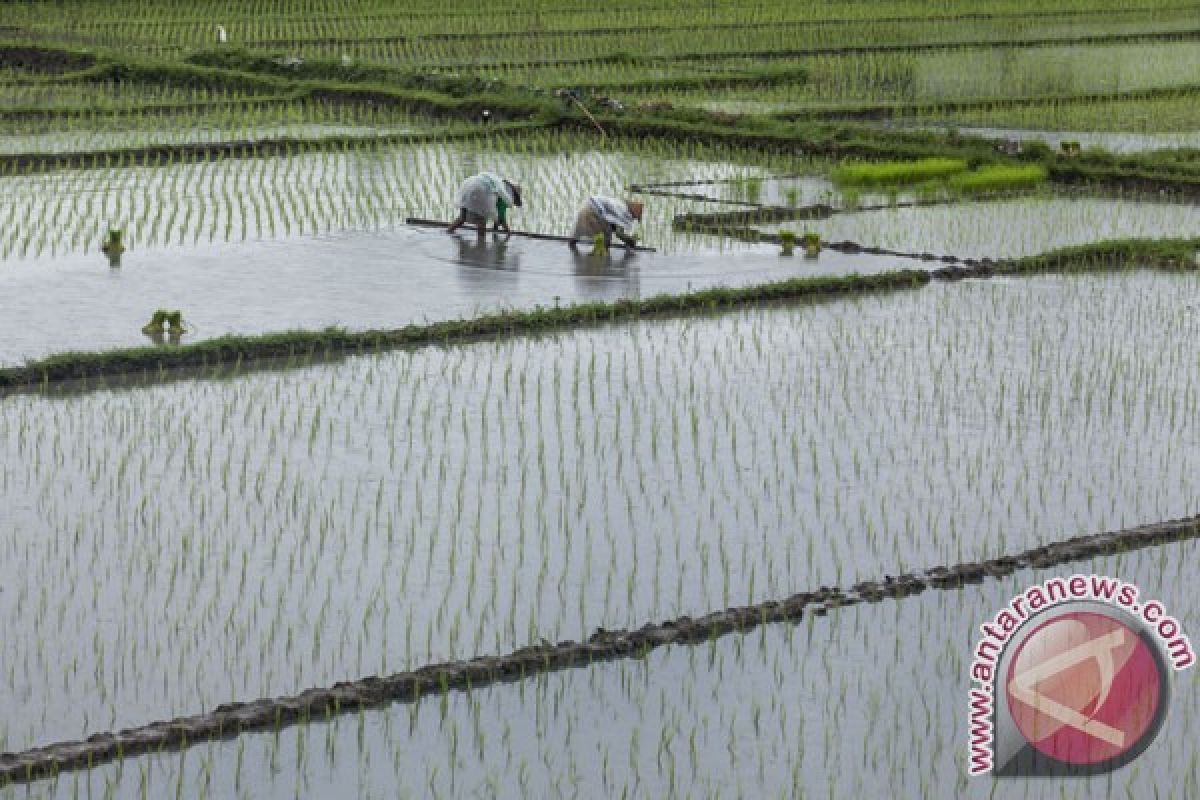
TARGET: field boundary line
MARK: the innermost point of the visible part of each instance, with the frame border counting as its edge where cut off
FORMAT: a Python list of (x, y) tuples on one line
[(237, 349), (78, 368), (320, 704), (662, 28)]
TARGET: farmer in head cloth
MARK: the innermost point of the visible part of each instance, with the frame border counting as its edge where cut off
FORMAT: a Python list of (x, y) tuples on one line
[(606, 216), (486, 197)]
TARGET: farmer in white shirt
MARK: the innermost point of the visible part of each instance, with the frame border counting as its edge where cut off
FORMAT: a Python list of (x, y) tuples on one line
[(485, 197), (606, 216)]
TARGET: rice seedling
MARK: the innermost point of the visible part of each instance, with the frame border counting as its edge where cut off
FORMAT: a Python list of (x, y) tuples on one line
[(308, 523), (316, 529), (812, 244), (1004, 228), (687, 719), (897, 172), (998, 178), (787, 241)]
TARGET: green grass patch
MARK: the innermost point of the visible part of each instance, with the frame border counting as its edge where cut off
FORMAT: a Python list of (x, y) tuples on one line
[(932, 174), (1165, 254), (998, 177), (898, 173)]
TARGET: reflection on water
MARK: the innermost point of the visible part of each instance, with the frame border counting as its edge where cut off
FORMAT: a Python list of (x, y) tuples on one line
[(357, 280), (487, 252), (881, 394), (1113, 141), (596, 265), (596, 275)]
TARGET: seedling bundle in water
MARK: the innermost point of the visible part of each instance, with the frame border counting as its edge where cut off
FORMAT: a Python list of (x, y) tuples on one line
[(680, 404), (787, 240), (485, 496), (113, 247), (812, 244), (932, 177), (165, 322), (897, 173)]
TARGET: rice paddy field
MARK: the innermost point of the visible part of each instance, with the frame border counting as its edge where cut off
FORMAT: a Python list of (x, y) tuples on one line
[(916, 294)]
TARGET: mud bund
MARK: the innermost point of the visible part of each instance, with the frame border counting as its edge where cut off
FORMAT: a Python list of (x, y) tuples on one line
[(233, 719)]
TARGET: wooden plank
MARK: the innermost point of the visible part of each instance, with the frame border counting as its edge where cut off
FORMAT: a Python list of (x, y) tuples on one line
[(549, 237)]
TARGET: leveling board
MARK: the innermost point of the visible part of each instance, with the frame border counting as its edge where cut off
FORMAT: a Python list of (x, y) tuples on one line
[(433, 223)]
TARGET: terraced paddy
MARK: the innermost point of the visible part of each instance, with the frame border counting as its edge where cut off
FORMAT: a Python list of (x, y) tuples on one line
[(700, 721), (1006, 228), (489, 517)]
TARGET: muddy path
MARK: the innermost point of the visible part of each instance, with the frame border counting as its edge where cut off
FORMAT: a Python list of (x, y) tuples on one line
[(233, 719), (44, 60)]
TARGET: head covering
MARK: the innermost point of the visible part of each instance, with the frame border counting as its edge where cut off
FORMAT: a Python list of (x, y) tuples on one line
[(614, 212), (479, 194), (515, 190)]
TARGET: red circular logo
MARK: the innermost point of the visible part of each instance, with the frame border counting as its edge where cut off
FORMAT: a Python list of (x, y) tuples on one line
[(1084, 688)]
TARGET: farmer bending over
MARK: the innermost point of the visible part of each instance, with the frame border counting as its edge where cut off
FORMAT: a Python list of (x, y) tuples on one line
[(485, 197), (606, 216)]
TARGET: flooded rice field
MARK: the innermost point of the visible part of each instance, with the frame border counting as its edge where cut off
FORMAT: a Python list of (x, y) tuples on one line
[(313, 241), (264, 533), (722, 544), (1008, 228), (87, 140), (785, 711), (359, 281), (828, 79), (234, 200), (1114, 142)]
